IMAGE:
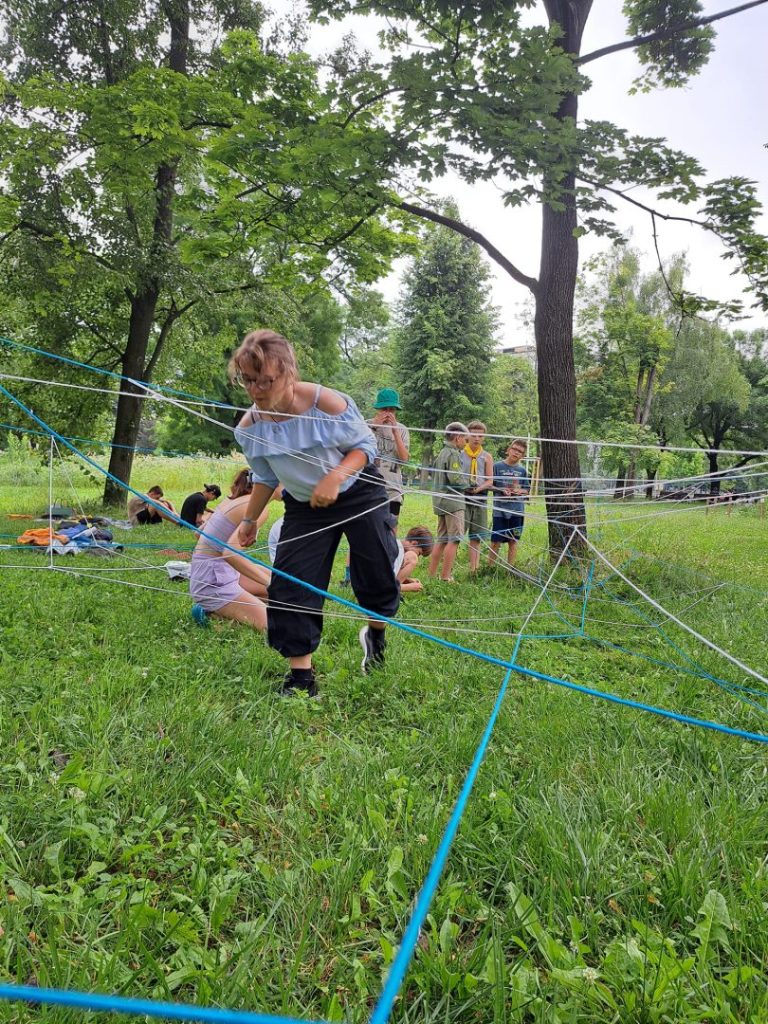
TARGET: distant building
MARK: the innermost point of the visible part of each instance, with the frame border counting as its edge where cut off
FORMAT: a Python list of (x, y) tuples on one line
[(524, 351)]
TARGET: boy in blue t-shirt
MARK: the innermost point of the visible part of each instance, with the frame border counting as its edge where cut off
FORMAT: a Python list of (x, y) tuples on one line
[(510, 488)]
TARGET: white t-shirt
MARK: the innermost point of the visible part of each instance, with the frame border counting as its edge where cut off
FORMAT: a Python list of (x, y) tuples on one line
[(274, 538)]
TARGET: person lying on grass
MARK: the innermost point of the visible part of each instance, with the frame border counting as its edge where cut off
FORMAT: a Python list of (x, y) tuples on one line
[(315, 442), (222, 583)]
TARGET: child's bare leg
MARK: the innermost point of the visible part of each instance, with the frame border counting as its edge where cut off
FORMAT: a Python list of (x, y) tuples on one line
[(474, 555), (451, 548), (434, 559), (493, 554), (247, 609), (512, 552)]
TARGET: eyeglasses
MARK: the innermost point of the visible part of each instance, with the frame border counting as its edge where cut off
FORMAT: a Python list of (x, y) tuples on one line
[(259, 383)]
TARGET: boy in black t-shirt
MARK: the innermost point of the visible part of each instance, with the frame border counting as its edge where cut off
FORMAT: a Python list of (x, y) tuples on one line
[(195, 508)]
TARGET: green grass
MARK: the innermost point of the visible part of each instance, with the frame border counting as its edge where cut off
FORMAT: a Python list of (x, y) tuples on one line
[(170, 828)]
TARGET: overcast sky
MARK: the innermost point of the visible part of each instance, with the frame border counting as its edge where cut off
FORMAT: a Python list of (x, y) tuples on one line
[(720, 118)]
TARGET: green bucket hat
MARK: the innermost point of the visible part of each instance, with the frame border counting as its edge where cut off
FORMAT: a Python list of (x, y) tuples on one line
[(387, 398)]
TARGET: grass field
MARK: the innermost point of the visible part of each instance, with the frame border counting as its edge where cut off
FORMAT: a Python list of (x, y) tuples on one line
[(170, 828)]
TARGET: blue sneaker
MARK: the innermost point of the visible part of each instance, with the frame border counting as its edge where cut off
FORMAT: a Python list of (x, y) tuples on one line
[(200, 616)]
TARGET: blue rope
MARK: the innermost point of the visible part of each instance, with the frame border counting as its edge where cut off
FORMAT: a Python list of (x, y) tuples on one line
[(140, 1007), (404, 627), (109, 373), (587, 588), (424, 899), (111, 444), (400, 964)]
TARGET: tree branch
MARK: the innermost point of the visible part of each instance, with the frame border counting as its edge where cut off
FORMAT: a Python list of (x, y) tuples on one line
[(455, 225), (666, 33), (173, 315), (369, 102), (103, 338), (53, 236)]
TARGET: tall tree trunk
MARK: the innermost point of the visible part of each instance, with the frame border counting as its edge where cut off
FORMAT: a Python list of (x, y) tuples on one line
[(714, 481), (427, 457), (554, 320), (129, 404), (144, 300)]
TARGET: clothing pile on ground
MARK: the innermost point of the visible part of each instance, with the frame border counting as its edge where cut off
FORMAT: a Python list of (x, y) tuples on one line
[(71, 537)]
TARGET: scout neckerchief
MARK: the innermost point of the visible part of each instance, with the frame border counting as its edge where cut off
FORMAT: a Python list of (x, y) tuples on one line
[(473, 454)]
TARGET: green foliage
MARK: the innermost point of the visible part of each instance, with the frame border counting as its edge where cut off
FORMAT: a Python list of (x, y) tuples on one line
[(131, 197), (626, 336), (706, 393), (512, 405), (445, 339), (367, 350), (674, 58)]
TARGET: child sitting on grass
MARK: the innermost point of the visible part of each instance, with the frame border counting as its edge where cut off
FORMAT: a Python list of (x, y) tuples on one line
[(222, 583), (417, 542)]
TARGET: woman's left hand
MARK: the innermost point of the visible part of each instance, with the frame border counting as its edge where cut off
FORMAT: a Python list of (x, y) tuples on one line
[(326, 491)]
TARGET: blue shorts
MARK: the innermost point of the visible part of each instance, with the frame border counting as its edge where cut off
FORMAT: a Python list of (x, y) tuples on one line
[(507, 526)]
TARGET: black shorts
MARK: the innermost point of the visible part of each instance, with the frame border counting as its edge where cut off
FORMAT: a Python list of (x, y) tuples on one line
[(148, 516), (507, 526)]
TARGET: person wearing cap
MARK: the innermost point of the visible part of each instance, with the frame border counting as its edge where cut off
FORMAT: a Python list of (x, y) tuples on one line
[(393, 443), (195, 509)]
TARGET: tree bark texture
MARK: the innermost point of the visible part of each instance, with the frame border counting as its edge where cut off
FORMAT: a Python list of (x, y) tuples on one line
[(147, 292), (554, 321)]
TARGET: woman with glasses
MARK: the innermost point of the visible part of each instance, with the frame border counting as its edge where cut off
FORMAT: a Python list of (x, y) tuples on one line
[(315, 443)]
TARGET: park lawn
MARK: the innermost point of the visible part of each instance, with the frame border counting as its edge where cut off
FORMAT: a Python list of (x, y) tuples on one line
[(170, 828)]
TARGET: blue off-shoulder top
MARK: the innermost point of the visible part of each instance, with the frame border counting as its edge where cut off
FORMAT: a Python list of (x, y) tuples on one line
[(298, 451)]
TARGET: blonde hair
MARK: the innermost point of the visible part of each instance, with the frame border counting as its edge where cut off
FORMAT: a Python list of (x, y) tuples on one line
[(260, 347), (477, 425)]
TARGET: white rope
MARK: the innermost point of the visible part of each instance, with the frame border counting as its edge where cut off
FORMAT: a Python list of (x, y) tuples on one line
[(183, 402), (306, 610), (50, 496), (688, 629), (544, 588), (158, 397), (313, 460), (429, 430)]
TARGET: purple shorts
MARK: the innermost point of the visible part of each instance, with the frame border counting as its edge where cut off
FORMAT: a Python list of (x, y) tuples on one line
[(213, 583)]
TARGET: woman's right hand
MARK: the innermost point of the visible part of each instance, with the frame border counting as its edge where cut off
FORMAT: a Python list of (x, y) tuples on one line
[(246, 533)]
